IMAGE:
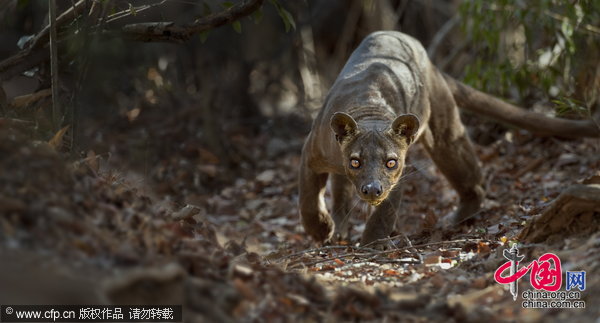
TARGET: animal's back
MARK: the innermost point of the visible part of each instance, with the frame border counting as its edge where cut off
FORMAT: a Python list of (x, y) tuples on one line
[(387, 71), (393, 52)]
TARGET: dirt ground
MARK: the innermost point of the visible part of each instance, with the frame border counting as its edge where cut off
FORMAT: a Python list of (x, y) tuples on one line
[(151, 216)]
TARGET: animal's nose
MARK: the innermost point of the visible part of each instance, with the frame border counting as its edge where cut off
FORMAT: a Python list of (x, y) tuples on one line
[(372, 190)]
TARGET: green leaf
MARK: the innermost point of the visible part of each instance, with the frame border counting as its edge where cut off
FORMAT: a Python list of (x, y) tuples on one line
[(285, 15), (227, 4), (237, 26), (288, 20), (203, 36)]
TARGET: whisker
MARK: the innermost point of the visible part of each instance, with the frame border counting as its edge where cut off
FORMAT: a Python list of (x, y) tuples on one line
[(348, 213), (413, 172), (416, 170)]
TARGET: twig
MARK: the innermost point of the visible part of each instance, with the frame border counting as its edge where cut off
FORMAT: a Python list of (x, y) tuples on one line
[(382, 240), (383, 252), (590, 29), (311, 251), (21, 61), (10, 122), (41, 38), (170, 32), (155, 31), (587, 28), (54, 66), (33, 54), (131, 11)]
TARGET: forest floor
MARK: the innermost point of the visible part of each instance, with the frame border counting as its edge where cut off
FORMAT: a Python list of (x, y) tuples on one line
[(152, 216)]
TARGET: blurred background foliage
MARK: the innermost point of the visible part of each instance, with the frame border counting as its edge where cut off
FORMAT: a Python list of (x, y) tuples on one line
[(532, 50)]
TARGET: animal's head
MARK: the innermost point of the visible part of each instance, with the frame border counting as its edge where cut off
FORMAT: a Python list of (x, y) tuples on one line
[(373, 158)]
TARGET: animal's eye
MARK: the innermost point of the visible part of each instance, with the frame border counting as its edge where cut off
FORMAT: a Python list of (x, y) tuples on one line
[(391, 163), (354, 163)]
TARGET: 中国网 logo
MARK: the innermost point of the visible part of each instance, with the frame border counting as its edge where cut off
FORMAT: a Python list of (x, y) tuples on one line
[(545, 276)]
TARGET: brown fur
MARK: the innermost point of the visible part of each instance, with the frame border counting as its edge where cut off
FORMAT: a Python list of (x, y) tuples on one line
[(387, 96)]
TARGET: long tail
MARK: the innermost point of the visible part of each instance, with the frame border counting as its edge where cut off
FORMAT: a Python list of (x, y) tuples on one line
[(479, 102)]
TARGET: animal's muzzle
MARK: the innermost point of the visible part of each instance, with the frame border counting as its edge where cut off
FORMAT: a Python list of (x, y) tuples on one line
[(371, 191)]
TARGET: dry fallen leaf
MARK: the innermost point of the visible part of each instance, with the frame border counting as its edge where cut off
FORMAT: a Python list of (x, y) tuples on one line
[(133, 114), (432, 259), (390, 272), (266, 177), (92, 161), (57, 140), (483, 248)]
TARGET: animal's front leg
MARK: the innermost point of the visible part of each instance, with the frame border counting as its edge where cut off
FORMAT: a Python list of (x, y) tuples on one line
[(342, 195), (313, 212), (382, 222)]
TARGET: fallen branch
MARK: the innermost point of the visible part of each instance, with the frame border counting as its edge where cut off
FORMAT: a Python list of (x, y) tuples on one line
[(572, 212)]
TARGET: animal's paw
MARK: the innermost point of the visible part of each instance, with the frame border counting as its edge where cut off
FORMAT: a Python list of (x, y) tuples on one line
[(320, 230), (339, 236)]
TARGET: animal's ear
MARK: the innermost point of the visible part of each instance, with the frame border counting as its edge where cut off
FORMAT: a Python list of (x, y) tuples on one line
[(406, 125), (343, 125)]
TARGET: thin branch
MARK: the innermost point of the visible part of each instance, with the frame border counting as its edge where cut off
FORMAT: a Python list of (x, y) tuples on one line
[(22, 61), (373, 252), (311, 251), (56, 115), (170, 32), (590, 29), (384, 252), (41, 39), (131, 11), (33, 55), (586, 28)]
